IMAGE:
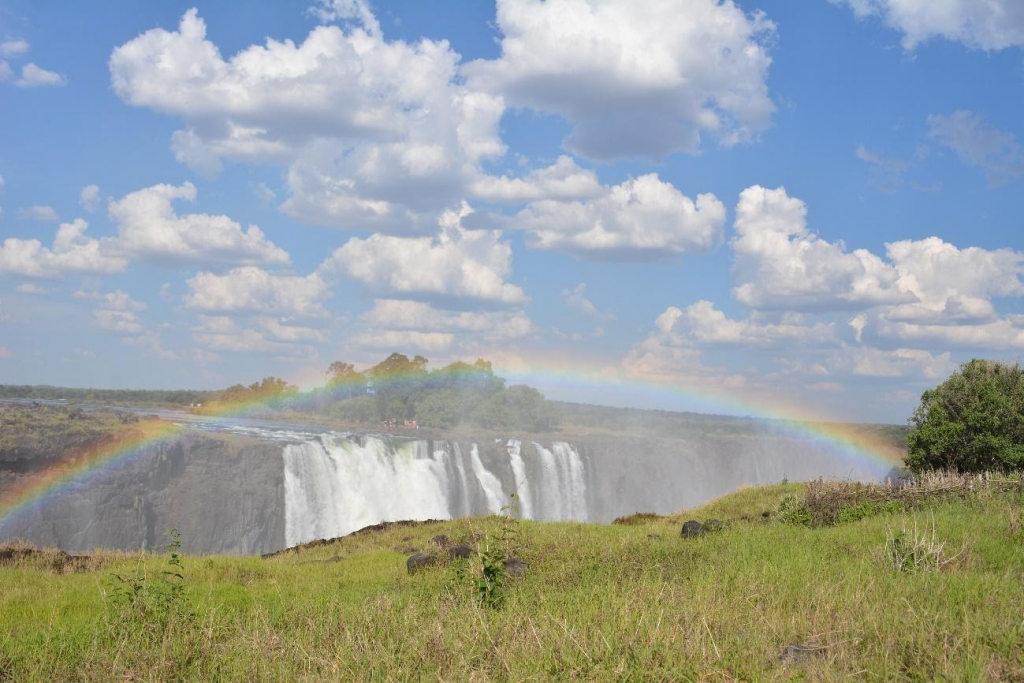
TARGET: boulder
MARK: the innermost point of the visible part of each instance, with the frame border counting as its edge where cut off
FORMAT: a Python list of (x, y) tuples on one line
[(460, 551), (515, 567), (417, 563), (693, 528)]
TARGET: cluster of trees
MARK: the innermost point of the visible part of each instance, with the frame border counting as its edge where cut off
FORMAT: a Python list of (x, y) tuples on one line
[(400, 388), (269, 389), (972, 422)]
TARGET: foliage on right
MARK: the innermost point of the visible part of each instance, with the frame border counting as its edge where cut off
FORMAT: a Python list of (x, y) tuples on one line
[(972, 422)]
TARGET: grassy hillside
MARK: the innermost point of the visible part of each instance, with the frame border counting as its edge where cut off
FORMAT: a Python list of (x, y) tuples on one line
[(761, 599)]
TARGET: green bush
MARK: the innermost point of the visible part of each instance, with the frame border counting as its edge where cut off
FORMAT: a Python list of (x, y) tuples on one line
[(972, 422)]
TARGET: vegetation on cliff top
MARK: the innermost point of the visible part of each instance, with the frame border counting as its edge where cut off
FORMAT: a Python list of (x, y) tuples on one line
[(759, 600), (42, 433), (400, 389)]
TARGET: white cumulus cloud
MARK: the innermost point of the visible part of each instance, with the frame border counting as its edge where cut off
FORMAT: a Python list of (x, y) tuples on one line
[(640, 218), (455, 264), (576, 298), (377, 134), (984, 24), (89, 197), (564, 179), (253, 289), (148, 226), (39, 212), (702, 323), (634, 81), (781, 264), (72, 251), (34, 76), (12, 48), (124, 322)]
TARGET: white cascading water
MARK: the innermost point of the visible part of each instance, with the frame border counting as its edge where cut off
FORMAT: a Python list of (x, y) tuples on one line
[(522, 483), (562, 485), (490, 484), (337, 484)]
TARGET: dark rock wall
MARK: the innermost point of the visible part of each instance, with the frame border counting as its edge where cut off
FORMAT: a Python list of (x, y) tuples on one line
[(224, 493)]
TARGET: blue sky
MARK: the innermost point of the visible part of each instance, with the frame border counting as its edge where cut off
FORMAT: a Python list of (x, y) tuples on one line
[(816, 203)]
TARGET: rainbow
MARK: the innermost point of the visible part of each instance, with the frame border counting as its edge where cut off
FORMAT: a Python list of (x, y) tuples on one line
[(842, 440)]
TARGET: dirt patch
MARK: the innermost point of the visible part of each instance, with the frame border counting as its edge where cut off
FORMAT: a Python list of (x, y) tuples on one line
[(53, 560), (373, 528), (637, 519)]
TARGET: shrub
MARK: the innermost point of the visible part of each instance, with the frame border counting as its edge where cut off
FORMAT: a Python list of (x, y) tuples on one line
[(972, 422), (911, 551), (138, 600)]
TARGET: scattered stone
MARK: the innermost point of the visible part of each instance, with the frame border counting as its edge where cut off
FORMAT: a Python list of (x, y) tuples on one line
[(799, 653), (713, 525), (693, 528), (441, 541), (515, 567), (766, 514), (417, 563), (460, 551)]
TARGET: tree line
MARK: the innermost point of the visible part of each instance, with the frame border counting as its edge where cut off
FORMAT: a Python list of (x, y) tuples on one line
[(400, 390)]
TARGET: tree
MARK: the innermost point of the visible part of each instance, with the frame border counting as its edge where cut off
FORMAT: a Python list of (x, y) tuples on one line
[(343, 380), (972, 422)]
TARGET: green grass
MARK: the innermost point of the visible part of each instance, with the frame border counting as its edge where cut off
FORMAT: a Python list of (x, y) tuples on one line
[(599, 603)]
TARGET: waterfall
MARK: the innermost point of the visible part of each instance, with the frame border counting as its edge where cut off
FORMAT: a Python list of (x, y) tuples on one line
[(338, 486), (335, 484), (488, 482), (574, 487), (522, 483)]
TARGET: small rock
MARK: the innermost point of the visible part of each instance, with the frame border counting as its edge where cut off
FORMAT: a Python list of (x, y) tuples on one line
[(460, 551), (419, 562), (713, 525), (693, 528), (515, 567), (441, 541), (407, 550), (766, 514), (799, 653)]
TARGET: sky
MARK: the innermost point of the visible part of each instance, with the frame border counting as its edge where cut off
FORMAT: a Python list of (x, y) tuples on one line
[(814, 204)]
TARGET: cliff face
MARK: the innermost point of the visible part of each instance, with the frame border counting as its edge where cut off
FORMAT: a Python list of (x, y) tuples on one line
[(629, 473), (224, 493), (229, 494)]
